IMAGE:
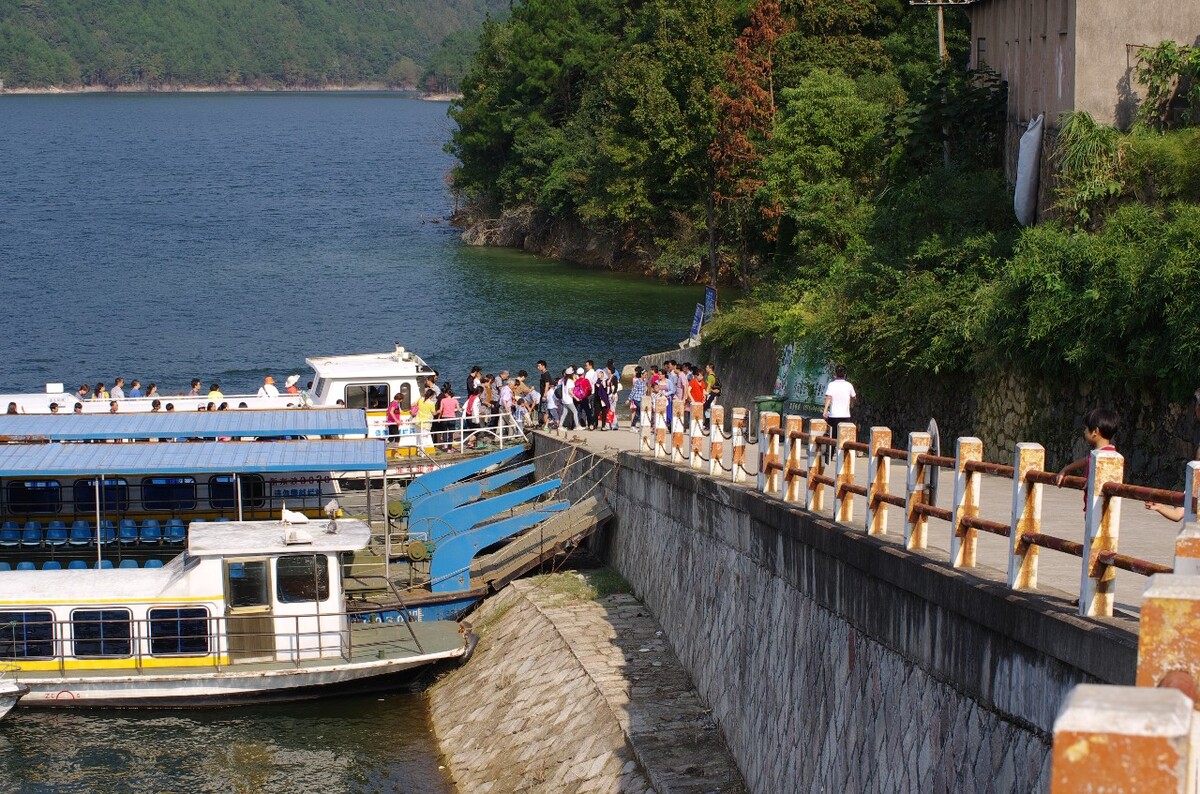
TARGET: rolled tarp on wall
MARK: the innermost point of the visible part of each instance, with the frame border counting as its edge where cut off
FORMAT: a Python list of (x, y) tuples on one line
[(1028, 161)]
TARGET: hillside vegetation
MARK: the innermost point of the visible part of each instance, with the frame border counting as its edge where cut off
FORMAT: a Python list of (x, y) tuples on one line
[(255, 43), (819, 154)]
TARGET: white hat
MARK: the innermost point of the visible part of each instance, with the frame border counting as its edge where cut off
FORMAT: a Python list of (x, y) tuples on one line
[(292, 380), (570, 370)]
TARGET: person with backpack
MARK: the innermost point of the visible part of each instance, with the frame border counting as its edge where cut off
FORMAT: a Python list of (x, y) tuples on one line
[(570, 414), (581, 390), (712, 390)]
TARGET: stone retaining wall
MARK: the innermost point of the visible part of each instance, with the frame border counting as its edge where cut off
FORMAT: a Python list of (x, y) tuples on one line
[(840, 662)]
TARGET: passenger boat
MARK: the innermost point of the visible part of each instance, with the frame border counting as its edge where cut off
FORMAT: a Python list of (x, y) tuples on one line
[(237, 611)]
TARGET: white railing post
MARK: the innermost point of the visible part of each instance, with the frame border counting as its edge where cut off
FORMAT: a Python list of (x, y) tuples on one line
[(1026, 517), (793, 485), (1102, 526), (814, 492), (646, 433), (844, 500), (677, 430), (739, 445), (660, 426), (878, 478), (915, 524), (966, 502), (696, 457), (716, 440), (768, 452)]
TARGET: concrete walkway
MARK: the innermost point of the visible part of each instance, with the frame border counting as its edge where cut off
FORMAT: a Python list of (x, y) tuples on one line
[(1144, 534)]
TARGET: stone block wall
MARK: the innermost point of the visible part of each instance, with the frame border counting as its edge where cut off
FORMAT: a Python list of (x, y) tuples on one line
[(840, 662)]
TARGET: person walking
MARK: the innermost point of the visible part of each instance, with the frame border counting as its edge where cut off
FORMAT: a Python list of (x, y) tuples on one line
[(545, 386), (712, 390), (570, 415), (840, 399), (637, 393)]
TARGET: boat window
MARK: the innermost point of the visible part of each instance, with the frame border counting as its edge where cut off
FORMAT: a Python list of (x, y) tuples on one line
[(317, 387), (114, 496), (101, 632), (247, 584), (34, 496), (179, 632), (220, 491), (405, 396), (370, 396), (168, 493), (26, 635), (304, 577)]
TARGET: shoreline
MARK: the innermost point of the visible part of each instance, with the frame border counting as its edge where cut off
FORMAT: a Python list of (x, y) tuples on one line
[(230, 89)]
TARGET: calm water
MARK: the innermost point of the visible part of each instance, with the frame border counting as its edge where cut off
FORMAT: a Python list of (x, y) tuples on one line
[(227, 237)]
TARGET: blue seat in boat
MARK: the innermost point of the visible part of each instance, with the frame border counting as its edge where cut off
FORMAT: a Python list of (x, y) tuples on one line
[(153, 564), (129, 531), (9, 525), (32, 524), (151, 531), (10, 536), (26, 565), (52, 565), (32, 535), (76, 565), (222, 518), (176, 531), (128, 564), (199, 520), (102, 564), (81, 534), (4, 566), (56, 534), (108, 533)]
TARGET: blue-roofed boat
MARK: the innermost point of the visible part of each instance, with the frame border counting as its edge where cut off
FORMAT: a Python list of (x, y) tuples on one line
[(237, 611)]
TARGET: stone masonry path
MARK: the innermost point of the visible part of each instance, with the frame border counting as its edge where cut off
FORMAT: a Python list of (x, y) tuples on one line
[(570, 694)]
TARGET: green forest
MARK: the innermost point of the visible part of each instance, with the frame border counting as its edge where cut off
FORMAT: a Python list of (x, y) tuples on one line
[(239, 43), (822, 155)]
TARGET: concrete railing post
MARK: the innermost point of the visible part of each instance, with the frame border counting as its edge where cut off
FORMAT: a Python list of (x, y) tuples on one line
[(716, 440), (677, 431), (697, 432), (915, 524), (1102, 525), (1187, 544), (814, 491), (660, 426), (1026, 517), (1169, 630), (793, 486), (878, 476), (1123, 739), (966, 502), (738, 426), (768, 452), (843, 499), (647, 427)]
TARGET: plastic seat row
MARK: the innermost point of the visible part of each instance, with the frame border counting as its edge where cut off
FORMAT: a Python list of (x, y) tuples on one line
[(151, 532), (75, 565)]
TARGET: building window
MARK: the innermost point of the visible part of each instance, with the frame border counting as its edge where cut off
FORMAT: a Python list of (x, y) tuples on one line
[(114, 496), (179, 632), (169, 493), (101, 632), (34, 496), (26, 635), (980, 53), (302, 578), (370, 396), (220, 491)]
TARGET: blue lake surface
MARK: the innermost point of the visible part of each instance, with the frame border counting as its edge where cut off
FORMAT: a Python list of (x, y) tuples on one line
[(229, 236), (225, 237)]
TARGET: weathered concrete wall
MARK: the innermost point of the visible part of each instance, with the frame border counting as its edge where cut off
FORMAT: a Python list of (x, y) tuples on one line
[(840, 662), (567, 693)]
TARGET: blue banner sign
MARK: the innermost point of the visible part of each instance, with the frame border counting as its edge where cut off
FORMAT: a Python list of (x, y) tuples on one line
[(698, 320), (710, 303)]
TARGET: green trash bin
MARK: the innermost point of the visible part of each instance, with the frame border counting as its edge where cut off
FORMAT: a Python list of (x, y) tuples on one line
[(764, 402)]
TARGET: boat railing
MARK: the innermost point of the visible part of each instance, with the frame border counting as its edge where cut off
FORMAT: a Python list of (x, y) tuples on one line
[(27, 646), (462, 433)]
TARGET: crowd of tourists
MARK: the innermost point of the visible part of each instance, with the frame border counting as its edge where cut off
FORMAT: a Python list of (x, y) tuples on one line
[(583, 397)]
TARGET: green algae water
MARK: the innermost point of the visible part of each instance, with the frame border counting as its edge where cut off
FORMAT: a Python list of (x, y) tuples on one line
[(226, 237)]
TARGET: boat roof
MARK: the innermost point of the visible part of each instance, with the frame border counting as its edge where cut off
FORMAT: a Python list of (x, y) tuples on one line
[(184, 424), (257, 538), (398, 363), (197, 457)]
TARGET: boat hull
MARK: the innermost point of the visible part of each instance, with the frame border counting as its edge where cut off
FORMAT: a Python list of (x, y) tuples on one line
[(10, 693), (230, 686)]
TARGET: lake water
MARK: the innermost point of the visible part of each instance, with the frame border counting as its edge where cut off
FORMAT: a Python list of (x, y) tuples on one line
[(226, 237), (229, 236)]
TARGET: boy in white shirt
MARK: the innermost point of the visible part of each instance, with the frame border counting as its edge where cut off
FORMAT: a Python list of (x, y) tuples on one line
[(840, 398)]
